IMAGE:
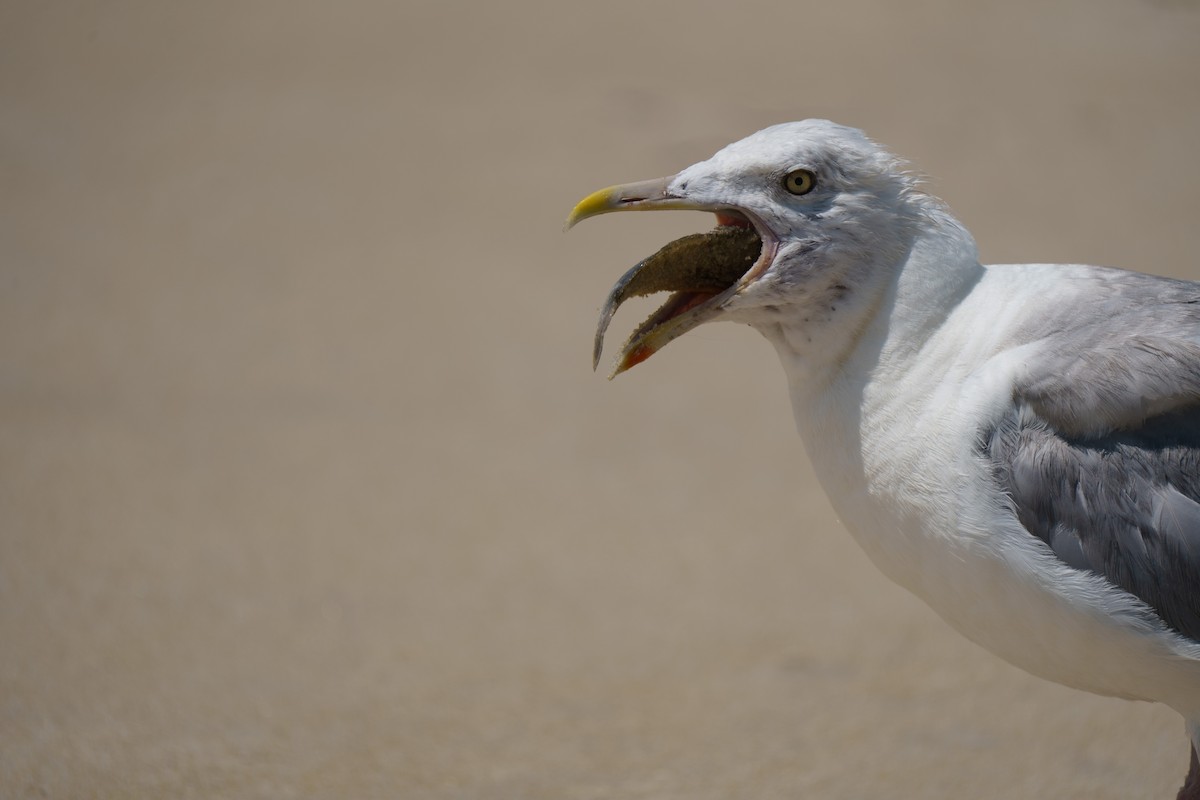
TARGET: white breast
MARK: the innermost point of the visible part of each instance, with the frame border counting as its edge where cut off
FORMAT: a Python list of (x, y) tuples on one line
[(895, 447)]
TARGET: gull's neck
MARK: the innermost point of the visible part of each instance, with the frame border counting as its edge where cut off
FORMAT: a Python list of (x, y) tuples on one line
[(902, 299), (860, 383)]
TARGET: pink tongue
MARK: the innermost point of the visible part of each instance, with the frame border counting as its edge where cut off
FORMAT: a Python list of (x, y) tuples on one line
[(730, 219)]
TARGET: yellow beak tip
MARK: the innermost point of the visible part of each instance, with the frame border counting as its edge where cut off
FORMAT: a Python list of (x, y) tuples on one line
[(595, 203)]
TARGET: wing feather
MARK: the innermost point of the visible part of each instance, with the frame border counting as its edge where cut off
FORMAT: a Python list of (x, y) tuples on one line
[(1101, 456)]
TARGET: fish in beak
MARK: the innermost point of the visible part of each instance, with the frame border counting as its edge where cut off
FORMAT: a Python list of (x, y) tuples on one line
[(701, 271)]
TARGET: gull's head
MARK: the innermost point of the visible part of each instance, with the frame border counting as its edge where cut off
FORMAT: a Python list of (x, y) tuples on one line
[(806, 211)]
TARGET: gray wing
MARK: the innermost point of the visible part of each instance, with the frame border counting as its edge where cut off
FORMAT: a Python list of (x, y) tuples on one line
[(1101, 457)]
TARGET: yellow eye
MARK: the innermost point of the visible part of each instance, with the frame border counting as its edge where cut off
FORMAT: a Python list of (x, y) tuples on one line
[(800, 181)]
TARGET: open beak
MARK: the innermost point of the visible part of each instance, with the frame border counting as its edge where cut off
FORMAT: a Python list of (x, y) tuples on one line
[(701, 270)]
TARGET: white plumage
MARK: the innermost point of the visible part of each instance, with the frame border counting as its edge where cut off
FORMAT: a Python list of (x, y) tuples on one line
[(1017, 445)]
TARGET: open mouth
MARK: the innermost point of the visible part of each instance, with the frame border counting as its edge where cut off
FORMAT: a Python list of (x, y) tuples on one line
[(701, 271)]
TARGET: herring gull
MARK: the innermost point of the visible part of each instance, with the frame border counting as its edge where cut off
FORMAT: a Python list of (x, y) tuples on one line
[(1018, 445)]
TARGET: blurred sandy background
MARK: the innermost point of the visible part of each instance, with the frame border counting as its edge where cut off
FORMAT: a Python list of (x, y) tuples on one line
[(307, 489)]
